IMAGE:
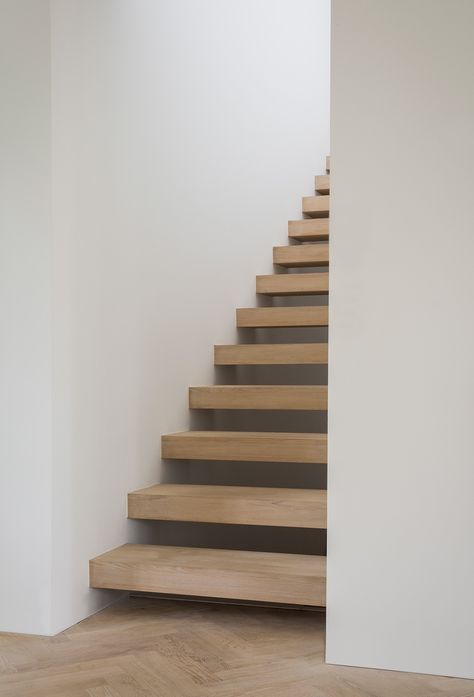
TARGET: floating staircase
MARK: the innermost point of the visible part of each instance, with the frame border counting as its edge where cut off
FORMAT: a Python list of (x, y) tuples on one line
[(227, 574)]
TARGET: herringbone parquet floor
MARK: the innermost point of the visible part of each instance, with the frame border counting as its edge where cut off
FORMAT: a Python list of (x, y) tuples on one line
[(145, 647)]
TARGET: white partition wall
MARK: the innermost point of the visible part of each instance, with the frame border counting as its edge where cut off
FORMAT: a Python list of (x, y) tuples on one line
[(25, 316), (401, 432)]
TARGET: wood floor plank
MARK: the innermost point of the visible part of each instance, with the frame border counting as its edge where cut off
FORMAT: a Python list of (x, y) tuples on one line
[(143, 647)]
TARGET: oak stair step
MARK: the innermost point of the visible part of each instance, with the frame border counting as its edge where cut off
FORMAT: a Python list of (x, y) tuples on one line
[(271, 354), (245, 446), (302, 255), (309, 229), (321, 184), (294, 579), (232, 505), (283, 316), (316, 206), (293, 284), (291, 397)]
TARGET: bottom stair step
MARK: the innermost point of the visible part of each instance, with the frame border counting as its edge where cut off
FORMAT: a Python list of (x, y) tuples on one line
[(295, 579)]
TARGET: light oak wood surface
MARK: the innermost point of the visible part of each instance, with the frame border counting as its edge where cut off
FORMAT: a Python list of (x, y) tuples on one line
[(293, 284), (291, 397), (301, 255), (316, 206), (236, 505), (271, 354), (245, 446), (148, 647), (309, 229), (321, 184), (297, 579), (283, 316)]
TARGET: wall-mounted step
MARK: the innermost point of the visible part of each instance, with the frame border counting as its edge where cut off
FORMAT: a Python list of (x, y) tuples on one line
[(293, 284), (302, 397), (232, 505), (283, 316), (271, 354), (316, 206), (302, 255), (242, 446), (309, 229), (321, 184), (295, 579)]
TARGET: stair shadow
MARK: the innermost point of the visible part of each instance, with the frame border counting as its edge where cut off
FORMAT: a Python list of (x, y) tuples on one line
[(258, 538)]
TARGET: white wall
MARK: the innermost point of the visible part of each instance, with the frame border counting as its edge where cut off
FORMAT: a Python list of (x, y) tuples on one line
[(401, 386), (149, 165), (25, 317), (184, 134)]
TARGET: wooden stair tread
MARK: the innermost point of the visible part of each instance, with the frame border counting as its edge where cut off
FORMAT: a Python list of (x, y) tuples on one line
[(302, 255), (236, 505), (271, 354), (283, 316), (245, 446), (291, 397), (293, 284), (321, 184), (309, 229), (316, 206), (213, 573)]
